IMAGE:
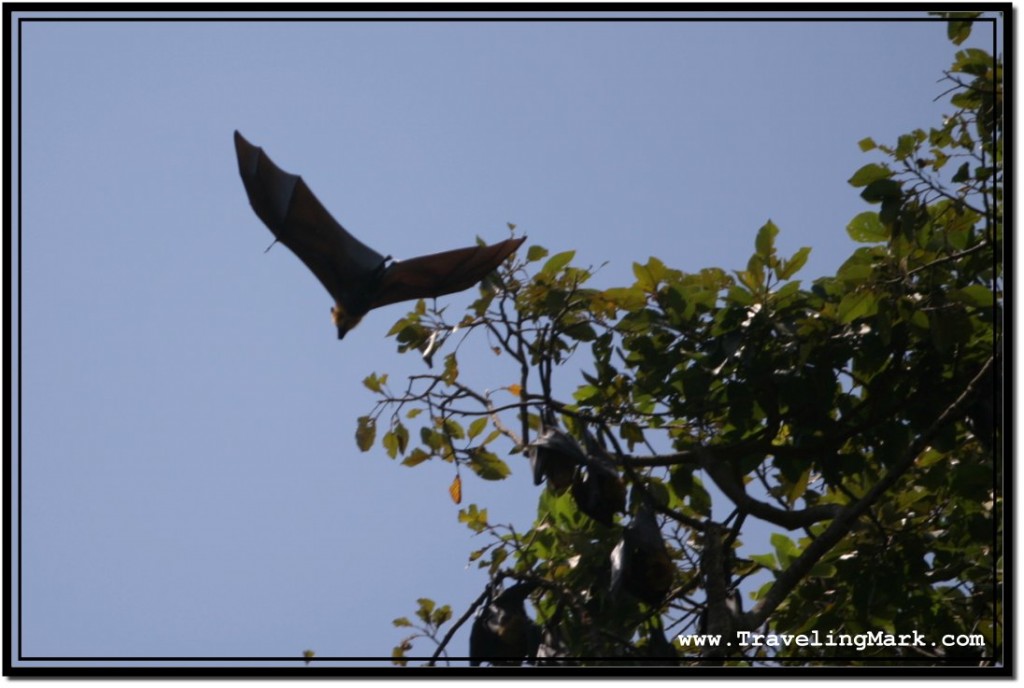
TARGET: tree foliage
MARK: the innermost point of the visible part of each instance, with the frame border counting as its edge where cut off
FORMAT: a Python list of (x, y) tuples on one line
[(857, 415)]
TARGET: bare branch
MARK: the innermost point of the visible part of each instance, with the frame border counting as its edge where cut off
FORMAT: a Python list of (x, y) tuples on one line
[(456, 626)]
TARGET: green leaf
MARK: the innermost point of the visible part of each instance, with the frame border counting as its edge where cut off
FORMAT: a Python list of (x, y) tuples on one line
[(972, 61), (822, 569), (366, 432), (374, 383), (416, 457), (880, 190), (441, 615), (474, 518), (977, 295), (958, 30), (477, 426), (454, 429), (426, 607), (752, 279), (766, 560), (581, 332), (649, 274), (792, 266), (785, 549), (796, 490), (556, 263), (585, 392), (765, 242), (963, 173), (626, 298), (700, 500), (905, 146), (869, 173), (867, 144), (950, 328), (631, 432), (402, 435), (681, 480), (535, 253), (390, 443), (487, 465), (401, 622), (451, 369), (867, 228), (857, 304)]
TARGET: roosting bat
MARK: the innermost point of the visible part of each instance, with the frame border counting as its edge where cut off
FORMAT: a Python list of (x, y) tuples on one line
[(359, 278), (502, 633), (640, 562), (554, 456)]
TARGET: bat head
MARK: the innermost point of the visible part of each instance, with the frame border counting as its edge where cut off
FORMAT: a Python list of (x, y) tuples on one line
[(342, 320)]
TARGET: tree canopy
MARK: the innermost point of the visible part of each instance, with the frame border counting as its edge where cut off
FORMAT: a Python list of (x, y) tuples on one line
[(858, 415)]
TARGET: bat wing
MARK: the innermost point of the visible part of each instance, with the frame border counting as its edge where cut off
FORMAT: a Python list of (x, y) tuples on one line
[(440, 273), (343, 264)]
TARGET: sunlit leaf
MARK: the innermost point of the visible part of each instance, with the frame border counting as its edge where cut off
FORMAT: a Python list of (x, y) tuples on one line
[(765, 241), (765, 560), (792, 266), (869, 173), (867, 228), (857, 304), (556, 262)]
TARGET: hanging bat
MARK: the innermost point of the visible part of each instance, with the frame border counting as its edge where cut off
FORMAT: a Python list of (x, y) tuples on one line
[(554, 456), (359, 278), (502, 633), (640, 562), (596, 486)]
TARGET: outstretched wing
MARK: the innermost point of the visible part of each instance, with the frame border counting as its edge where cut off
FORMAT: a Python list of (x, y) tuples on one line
[(343, 264), (440, 273)]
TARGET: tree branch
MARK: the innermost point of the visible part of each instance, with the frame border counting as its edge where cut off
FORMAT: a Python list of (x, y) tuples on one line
[(787, 580), (457, 625), (721, 474)]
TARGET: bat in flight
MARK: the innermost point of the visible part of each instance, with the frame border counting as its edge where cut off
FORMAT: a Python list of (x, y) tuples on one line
[(359, 278)]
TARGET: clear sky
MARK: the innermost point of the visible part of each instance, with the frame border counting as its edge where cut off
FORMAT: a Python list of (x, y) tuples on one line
[(190, 481)]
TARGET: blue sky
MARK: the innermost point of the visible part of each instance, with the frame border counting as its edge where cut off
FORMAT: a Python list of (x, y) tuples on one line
[(190, 481)]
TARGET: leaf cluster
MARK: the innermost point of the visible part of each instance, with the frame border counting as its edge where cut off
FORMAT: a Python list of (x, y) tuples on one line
[(857, 415)]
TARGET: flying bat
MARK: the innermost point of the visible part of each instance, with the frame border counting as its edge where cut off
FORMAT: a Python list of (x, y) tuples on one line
[(359, 278)]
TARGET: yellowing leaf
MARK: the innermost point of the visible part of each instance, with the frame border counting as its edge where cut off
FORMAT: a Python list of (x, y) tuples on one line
[(455, 490), (515, 389)]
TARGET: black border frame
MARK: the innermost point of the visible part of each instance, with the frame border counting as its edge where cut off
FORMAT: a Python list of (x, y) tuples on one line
[(415, 12)]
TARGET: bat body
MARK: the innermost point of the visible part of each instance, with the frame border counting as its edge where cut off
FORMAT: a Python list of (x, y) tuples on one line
[(640, 562), (554, 456), (356, 276), (502, 633)]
